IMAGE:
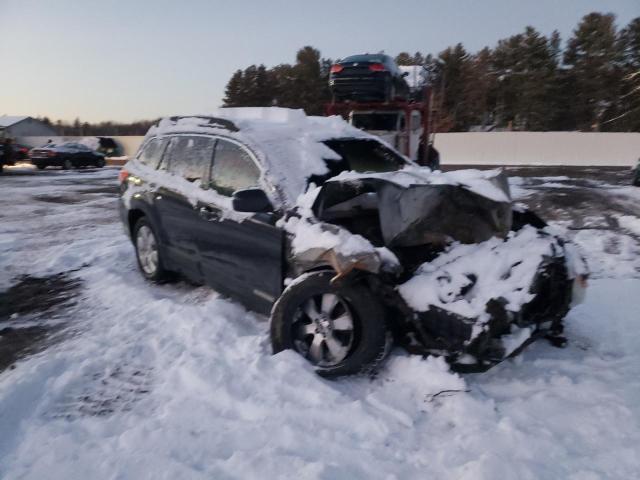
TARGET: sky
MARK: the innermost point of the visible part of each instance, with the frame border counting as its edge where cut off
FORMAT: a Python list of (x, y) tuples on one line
[(126, 60)]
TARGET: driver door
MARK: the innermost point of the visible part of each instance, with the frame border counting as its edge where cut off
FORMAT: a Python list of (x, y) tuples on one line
[(240, 253)]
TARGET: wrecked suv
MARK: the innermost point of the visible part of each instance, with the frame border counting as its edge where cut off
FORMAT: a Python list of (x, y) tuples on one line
[(345, 243)]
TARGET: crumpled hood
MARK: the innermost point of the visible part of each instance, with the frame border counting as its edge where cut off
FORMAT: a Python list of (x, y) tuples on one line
[(417, 206)]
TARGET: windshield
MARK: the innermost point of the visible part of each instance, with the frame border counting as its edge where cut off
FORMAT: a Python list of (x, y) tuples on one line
[(363, 156)]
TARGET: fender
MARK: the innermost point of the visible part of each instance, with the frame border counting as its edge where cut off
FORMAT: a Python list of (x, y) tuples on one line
[(142, 203)]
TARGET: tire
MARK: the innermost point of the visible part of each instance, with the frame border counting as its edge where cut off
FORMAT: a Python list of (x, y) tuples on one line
[(358, 351), (150, 264), (67, 165), (100, 163), (40, 166)]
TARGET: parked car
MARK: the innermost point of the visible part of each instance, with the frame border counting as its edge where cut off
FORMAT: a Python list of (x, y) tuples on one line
[(66, 155), (17, 152), (343, 242), (368, 78), (5, 159), (20, 152)]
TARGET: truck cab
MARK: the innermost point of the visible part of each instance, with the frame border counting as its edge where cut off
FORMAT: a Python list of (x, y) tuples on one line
[(392, 126)]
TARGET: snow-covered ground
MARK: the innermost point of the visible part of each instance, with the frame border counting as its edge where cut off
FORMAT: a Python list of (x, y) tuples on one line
[(173, 381)]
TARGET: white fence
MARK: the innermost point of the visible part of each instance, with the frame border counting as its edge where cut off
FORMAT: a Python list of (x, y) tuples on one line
[(497, 148), (539, 148)]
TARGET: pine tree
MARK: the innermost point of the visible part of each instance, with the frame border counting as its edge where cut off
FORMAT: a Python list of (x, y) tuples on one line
[(451, 74), (310, 84), (403, 58), (264, 91), (478, 92), (233, 89), (282, 77), (592, 54), (525, 67), (627, 114)]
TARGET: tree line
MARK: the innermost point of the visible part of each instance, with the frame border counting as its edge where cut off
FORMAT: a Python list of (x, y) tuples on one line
[(87, 129), (528, 81)]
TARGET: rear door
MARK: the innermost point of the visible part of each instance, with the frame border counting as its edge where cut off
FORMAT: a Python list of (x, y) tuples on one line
[(187, 159), (241, 253)]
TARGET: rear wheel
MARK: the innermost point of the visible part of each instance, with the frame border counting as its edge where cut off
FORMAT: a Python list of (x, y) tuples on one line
[(100, 163), (340, 329), (67, 165), (148, 251), (40, 166)]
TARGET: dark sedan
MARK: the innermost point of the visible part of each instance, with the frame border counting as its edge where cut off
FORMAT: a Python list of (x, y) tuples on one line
[(20, 152), (66, 155), (368, 78)]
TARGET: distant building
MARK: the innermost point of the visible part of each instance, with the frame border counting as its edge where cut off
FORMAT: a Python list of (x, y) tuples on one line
[(23, 126)]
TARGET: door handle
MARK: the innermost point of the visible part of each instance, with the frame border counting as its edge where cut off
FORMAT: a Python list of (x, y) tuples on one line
[(208, 214)]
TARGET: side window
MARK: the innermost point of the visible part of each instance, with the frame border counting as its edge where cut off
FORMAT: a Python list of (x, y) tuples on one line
[(190, 157), (152, 152), (233, 169)]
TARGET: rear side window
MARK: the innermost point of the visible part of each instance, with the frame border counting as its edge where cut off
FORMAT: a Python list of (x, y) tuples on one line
[(152, 152), (190, 157), (233, 169)]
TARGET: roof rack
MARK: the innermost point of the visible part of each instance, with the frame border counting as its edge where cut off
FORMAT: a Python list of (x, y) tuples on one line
[(212, 122)]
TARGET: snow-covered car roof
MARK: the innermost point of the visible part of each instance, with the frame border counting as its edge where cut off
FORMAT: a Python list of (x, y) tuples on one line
[(287, 142)]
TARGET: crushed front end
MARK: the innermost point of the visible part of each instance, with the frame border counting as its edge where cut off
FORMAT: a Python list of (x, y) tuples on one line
[(463, 272)]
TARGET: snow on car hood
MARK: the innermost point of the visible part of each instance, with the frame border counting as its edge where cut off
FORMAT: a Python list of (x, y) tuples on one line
[(416, 206), (491, 184)]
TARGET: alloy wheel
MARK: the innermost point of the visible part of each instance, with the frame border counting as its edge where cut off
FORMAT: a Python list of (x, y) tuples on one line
[(147, 249), (323, 329)]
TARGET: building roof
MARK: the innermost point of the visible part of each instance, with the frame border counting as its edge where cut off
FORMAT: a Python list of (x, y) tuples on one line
[(8, 120)]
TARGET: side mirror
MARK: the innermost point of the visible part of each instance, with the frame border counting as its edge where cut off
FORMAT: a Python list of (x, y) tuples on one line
[(251, 200), (405, 74)]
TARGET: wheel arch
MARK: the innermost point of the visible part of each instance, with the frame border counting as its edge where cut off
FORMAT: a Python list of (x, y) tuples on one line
[(132, 218)]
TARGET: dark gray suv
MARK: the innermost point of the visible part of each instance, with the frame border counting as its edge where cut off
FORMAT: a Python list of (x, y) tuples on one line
[(333, 234)]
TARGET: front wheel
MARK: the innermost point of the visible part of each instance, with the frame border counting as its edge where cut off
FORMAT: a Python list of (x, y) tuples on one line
[(340, 329), (100, 163), (67, 165), (148, 251), (40, 166)]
